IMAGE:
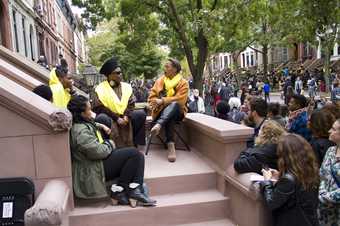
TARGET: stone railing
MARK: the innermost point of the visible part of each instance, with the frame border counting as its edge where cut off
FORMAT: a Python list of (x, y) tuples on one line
[(34, 141), (220, 142), (51, 207)]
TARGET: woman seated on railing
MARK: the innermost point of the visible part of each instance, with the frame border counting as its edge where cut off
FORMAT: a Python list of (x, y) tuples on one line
[(263, 154), (291, 193), (95, 160)]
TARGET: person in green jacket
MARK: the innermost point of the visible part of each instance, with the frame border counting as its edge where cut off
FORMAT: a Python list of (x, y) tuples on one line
[(95, 161)]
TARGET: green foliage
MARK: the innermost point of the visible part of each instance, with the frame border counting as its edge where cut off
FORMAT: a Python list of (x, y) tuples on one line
[(137, 57)]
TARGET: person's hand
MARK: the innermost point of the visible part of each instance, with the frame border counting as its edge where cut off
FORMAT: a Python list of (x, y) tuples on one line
[(126, 119), (266, 174), (106, 129), (121, 122), (275, 174), (157, 101)]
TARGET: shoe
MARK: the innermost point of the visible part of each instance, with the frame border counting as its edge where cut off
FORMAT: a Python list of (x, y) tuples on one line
[(156, 129), (118, 195), (136, 197), (171, 152), (119, 198)]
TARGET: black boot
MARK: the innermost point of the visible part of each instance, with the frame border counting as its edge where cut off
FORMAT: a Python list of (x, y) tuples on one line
[(118, 195), (119, 198), (137, 197)]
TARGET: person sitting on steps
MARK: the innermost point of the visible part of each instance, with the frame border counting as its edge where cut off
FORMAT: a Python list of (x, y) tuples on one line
[(167, 99), (96, 160), (115, 98)]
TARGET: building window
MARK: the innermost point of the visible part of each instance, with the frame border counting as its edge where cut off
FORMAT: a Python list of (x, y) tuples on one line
[(248, 60), (15, 28), (24, 34), (225, 61), (285, 54), (31, 42), (243, 60), (252, 59)]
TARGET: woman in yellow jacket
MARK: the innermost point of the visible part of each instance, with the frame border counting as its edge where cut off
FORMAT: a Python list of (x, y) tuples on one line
[(61, 84), (168, 98)]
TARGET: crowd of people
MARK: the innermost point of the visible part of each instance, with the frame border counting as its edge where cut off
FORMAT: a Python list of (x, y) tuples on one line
[(295, 146)]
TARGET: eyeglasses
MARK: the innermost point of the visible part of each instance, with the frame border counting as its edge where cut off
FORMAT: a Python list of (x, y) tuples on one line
[(117, 72)]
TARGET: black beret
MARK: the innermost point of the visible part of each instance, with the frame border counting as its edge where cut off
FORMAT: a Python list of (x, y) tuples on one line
[(109, 66)]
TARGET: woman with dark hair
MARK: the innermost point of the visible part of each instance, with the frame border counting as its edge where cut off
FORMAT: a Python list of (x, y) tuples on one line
[(95, 160), (320, 122), (329, 190), (292, 192)]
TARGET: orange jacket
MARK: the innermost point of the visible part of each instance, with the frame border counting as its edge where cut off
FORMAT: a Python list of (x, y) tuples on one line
[(181, 96)]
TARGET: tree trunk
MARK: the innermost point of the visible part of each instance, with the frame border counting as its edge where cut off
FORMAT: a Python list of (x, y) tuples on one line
[(265, 60), (327, 67)]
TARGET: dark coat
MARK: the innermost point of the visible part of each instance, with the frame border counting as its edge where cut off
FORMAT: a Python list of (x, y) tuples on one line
[(253, 159), (290, 204), (320, 147)]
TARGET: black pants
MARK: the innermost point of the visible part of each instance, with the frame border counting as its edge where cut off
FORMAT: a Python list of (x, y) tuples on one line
[(168, 118), (266, 97), (138, 118), (126, 164)]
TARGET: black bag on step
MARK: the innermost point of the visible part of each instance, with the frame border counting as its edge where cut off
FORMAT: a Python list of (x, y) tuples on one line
[(16, 196)]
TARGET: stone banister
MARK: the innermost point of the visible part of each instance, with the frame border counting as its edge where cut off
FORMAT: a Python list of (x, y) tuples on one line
[(24, 102), (30, 67), (220, 143), (51, 207), (18, 76), (25, 67), (218, 129)]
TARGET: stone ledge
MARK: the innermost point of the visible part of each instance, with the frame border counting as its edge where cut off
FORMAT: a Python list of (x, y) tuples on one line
[(242, 182), (218, 129)]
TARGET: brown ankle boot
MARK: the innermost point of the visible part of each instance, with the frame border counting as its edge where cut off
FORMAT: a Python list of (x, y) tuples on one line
[(171, 152), (156, 129)]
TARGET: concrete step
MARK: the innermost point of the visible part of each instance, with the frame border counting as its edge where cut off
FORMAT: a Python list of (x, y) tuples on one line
[(189, 173), (223, 222), (172, 209)]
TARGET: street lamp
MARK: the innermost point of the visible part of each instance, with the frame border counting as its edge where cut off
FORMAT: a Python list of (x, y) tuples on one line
[(91, 75)]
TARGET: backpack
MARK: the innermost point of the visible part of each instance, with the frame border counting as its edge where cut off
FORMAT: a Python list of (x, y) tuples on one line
[(16, 196)]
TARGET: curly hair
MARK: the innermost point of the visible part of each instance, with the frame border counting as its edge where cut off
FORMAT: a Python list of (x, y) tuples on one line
[(321, 122), (270, 132), (296, 156), (76, 106)]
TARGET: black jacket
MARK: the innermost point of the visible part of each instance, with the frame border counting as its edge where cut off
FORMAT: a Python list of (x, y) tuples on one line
[(290, 204), (320, 147), (253, 159)]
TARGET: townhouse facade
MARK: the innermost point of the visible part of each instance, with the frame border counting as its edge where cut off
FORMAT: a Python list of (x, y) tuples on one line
[(251, 58), (46, 28)]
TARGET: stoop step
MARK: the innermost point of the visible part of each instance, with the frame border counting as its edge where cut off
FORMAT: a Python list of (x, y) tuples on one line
[(174, 209), (223, 222)]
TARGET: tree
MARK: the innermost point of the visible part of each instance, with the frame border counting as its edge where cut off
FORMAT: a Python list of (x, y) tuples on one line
[(273, 24), (321, 21), (187, 27), (137, 59)]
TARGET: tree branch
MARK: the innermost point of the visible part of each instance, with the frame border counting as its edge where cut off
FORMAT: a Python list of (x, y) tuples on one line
[(256, 50), (214, 5)]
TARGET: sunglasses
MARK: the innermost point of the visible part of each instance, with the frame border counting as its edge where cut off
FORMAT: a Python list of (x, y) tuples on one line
[(117, 72)]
